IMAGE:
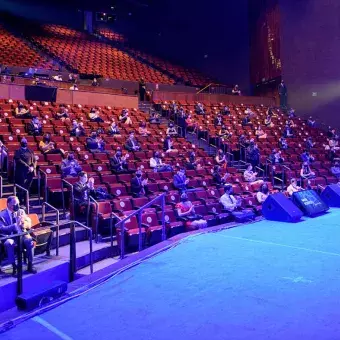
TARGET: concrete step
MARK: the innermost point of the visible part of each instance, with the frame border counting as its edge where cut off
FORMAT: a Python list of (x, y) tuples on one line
[(97, 266)]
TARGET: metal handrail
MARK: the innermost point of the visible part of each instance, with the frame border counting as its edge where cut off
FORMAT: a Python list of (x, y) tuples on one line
[(3, 147), (27, 196), (45, 182), (63, 181), (138, 212), (73, 256), (1, 186), (204, 88), (44, 205), (97, 215), (280, 180), (263, 172)]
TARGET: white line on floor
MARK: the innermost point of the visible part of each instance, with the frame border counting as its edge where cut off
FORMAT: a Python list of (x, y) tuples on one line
[(280, 245), (51, 328)]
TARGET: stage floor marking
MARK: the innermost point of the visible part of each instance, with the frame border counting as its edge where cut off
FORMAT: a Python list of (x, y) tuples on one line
[(281, 245), (51, 328)]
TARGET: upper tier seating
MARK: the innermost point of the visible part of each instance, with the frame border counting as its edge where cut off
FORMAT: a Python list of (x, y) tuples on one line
[(187, 75), (15, 52), (90, 56)]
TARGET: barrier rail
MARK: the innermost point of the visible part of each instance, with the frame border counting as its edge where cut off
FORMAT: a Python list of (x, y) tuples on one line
[(121, 224), (27, 196), (44, 205), (68, 184)]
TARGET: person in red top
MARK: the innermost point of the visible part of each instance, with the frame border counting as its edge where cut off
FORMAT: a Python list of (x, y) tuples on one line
[(186, 210)]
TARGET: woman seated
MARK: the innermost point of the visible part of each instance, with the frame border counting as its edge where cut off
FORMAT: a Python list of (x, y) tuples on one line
[(168, 145), (185, 209), (22, 112), (220, 159), (94, 116), (171, 130), (47, 147), (191, 162), (142, 130), (263, 193), (154, 117), (250, 176), (276, 157), (113, 129), (293, 187), (157, 165), (190, 123), (259, 133), (124, 117), (306, 171), (224, 133)]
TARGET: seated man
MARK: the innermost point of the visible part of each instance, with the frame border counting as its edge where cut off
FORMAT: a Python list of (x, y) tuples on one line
[(82, 190), (47, 147), (78, 129), (335, 169), (293, 187), (14, 220), (118, 163), (62, 114), (113, 129), (70, 166), (95, 143), (157, 165), (250, 176), (218, 179), (35, 127), (229, 202), (154, 117), (180, 180), (185, 209), (236, 91), (132, 143), (138, 185)]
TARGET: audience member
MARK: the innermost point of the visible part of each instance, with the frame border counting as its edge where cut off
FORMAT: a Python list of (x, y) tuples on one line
[(186, 210), (259, 133), (157, 164), (77, 129), (335, 169), (95, 143), (218, 179), (221, 159), (250, 176), (82, 190), (306, 172), (94, 116), (171, 130), (218, 121), (168, 145), (142, 130), (263, 193), (236, 91), (35, 127), (180, 180), (154, 117), (70, 166), (293, 187), (283, 145), (253, 154), (47, 147), (124, 117), (139, 185), (118, 163), (22, 112), (132, 143), (113, 129)]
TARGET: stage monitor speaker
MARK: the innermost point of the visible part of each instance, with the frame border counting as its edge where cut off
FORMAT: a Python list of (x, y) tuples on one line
[(331, 195), (309, 202), (39, 297), (278, 207)]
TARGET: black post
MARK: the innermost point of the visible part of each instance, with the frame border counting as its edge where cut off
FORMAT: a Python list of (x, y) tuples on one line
[(73, 255), (19, 255)]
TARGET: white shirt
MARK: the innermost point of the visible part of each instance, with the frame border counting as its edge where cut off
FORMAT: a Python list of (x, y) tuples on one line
[(249, 176), (154, 163), (293, 188), (261, 197), (229, 202)]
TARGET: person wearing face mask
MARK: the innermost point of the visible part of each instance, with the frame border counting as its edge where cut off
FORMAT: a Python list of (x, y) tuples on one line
[(77, 129), (113, 129), (14, 220), (220, 159), (171, 130), (25, 168), (132, 143), (139, 185), (70, 166), (95, 143), (22, 112), (82, 190), (118, 163), (218, 179), (186, 210), (263, 193), (157, 165), (229, 202), (47, 147), (34, 127), (180, 180), (192, 162)]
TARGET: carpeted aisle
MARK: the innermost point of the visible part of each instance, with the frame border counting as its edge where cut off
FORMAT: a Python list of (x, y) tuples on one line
[(265, 280)]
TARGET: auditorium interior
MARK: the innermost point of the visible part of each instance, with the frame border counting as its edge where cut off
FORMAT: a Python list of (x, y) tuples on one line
[(169, 170)]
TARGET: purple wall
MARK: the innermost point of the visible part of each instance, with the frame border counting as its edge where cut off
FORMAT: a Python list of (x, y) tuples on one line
[(310, 50)]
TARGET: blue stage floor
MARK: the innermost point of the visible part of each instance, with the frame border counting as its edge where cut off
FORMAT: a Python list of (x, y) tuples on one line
[(266, 280)]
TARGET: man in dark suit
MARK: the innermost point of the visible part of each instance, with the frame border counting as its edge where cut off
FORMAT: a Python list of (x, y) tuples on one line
[(25, 168), (283, 94), (82, 190), (138, 185), (34, 127), (118, 163), (14, 220), (180, 180), (132, 143)]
